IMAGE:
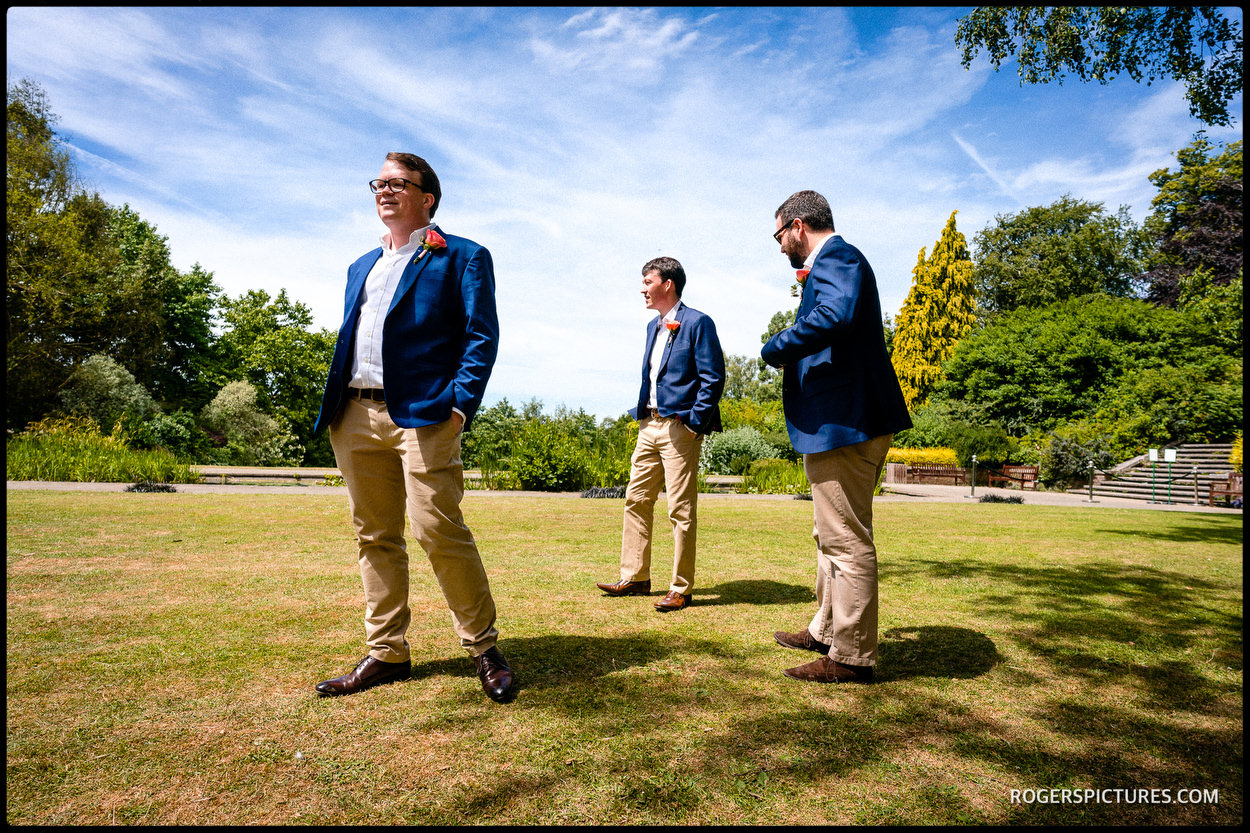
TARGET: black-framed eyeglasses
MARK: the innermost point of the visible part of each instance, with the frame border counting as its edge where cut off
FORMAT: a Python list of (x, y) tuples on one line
[(393, 185), (782, 230)]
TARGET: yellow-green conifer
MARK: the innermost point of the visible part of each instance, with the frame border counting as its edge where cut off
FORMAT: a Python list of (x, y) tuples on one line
[(940, 310)]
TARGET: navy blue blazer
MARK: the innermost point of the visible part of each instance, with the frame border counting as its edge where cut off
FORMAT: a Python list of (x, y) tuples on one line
[(692, 372), (439, 338), (838, 385)]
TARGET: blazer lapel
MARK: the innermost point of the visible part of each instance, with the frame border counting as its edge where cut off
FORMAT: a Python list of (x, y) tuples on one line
[(672, 337), (355, 290), (411, 273)]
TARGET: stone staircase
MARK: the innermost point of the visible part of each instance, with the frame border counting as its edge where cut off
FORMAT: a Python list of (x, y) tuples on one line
[(1133, 478)]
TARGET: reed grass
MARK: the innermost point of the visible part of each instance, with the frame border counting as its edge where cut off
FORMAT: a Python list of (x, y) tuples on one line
[(74, 450)]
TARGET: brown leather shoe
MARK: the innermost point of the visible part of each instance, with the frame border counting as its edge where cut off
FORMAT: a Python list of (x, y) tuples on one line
[(369, 672), (495, 673), (825, 670), (803, 641), (627, 588), (673, 601)]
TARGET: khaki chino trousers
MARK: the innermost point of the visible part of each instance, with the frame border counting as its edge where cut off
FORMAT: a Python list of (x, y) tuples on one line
[(843, 481), (666, 454), (391, 471)]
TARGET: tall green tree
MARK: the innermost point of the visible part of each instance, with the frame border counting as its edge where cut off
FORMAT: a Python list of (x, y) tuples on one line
[(939, 311), (161, 318), (85, 278), (270, 343), (748, 378), (1195, 45), (1048, 253), (56, 249), (1197, 226)]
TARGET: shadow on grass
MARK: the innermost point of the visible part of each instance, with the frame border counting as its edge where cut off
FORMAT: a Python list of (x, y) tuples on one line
[(1090, 620), (753, 591), (935, 651), (570, 660), (565, 659), (1204, 530)]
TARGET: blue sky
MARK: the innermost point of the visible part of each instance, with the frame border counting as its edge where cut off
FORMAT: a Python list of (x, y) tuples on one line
[(575, 144)]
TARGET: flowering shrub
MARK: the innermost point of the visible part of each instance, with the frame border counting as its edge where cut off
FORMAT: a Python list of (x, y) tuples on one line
[(939, 456)]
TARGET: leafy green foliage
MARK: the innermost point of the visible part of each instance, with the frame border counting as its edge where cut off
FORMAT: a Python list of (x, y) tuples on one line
[(774, 476), (1065, 458), (74, 449), (178, 432), (1197, 226), (1196, 402), (940, 310), (768, 417), (250, 436), (990, 442), (930, 425), (748, 378), (733, 451), (1041, 367), (104, 391), (86, 278), (270, 344), (1195, 45), (488, 442), (563, 452), (1051, 253), (547, 457)]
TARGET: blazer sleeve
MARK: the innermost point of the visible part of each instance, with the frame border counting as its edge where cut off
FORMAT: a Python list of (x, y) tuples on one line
[(835, 284), (481, 342), (710, 363)]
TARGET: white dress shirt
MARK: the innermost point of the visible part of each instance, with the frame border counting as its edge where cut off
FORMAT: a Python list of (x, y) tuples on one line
[(379, 290)]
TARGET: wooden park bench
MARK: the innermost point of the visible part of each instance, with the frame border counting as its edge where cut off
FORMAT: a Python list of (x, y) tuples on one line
[(1025, 476), (928, 474), (1230, 490)]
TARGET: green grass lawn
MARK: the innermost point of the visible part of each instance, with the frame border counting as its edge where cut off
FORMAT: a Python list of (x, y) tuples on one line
[(162, 652)]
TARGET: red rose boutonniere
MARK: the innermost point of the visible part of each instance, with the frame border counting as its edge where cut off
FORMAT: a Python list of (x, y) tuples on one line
[(672, 328), (801, 275), (433, 242)]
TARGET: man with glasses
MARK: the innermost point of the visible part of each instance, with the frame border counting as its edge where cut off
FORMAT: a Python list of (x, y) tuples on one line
[(416, 348), (683, 376), (843, 405)]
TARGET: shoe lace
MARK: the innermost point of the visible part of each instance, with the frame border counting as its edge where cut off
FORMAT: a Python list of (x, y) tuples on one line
[(490, 661)]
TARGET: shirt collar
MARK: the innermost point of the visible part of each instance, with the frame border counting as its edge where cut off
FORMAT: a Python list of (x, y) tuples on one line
[(811, 258), (415, 239), (671, 315)]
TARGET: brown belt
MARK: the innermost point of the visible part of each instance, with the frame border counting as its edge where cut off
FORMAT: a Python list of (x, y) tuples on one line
[(374, 394), (656, 415)]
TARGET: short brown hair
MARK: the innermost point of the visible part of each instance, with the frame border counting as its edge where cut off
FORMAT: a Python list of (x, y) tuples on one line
[(669, 269), (429, 179), (808, 206)]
